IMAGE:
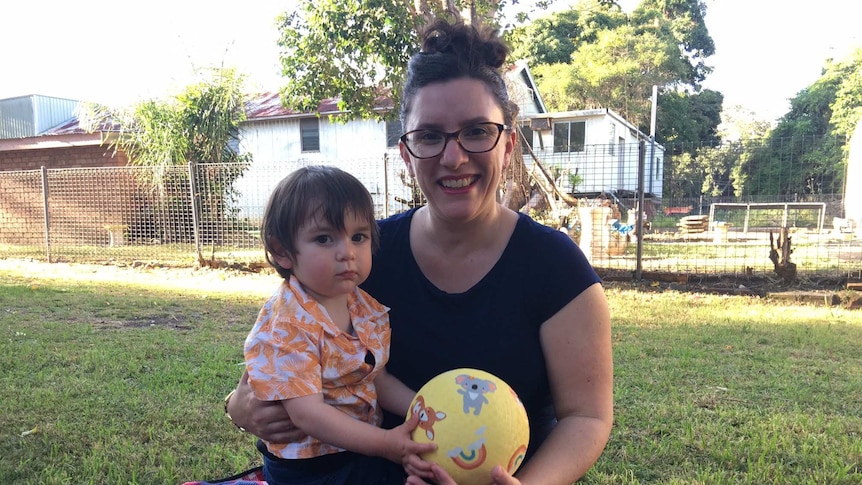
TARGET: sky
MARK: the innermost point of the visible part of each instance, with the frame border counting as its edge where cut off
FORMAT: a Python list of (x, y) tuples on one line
[(118, 53)]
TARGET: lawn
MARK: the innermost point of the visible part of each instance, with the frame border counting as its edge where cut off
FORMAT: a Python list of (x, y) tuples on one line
[(116, 375)]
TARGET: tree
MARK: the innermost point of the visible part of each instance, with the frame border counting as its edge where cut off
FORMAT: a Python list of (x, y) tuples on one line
[(201, 125), (357, 51), (744, 134), (807, 148), (617, 71), (688, 26), (689, 119), (555, 38), (716, 164), (847, 107), (614, 60), (346, 49)]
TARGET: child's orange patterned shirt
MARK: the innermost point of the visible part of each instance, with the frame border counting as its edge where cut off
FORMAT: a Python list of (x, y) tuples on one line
[(296, 350)]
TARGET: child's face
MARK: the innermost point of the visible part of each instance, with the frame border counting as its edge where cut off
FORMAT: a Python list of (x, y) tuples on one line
[(331, 263)]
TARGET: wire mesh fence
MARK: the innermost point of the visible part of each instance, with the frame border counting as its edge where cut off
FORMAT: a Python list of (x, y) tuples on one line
[(210, 214)]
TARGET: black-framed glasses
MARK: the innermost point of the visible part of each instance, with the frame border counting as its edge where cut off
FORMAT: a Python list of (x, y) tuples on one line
[(478, 138)]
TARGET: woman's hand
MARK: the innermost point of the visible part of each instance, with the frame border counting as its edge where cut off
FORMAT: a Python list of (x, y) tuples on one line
[(265, 419), (440, 477)]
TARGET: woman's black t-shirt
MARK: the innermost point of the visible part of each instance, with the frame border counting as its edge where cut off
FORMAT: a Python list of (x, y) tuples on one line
[(493, 326)]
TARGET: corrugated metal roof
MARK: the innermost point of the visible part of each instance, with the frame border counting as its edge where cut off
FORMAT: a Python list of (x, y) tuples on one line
[(73, 127), (31, 115), (268, 105), (70, 127)]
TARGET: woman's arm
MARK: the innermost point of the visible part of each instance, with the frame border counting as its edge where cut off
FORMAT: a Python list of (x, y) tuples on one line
[(577, 346), (265, 419)]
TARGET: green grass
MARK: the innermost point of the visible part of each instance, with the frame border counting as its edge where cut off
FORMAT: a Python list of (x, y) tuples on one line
[(713, 389), (122, 383)]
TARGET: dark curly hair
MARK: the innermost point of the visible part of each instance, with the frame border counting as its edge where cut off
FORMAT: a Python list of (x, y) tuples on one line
[(454, 50)]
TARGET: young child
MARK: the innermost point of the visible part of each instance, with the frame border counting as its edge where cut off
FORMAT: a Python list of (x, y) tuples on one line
[(320, 344)]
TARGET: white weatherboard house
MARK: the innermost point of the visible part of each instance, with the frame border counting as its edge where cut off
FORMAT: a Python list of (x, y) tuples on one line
[(598, 145), (281, 140)]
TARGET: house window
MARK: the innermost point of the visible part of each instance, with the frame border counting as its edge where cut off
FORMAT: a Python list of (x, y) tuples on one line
[(526, 134), (570, 136), (393, 132), (612, 139), (309, 129)]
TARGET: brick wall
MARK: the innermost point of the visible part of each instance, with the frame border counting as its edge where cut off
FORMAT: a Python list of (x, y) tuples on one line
[(22, 212), (65, 157), (78, 215)]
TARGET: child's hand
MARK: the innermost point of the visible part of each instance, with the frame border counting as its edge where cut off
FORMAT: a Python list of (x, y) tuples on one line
[(402, 449)]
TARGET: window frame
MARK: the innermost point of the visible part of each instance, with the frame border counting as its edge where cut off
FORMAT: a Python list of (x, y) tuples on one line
[(527, 137), (575, 139), (394, 130), (309, 136)]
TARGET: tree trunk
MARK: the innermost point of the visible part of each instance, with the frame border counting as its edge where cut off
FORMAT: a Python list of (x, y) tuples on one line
[(547, 184), (779, 254), (516, 183)]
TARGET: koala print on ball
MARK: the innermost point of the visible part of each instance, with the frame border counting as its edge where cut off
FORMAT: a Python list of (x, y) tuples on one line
[(474, 389)]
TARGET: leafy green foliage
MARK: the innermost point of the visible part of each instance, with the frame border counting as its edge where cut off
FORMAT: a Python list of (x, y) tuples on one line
[(595, 56), (809, 142), (346, 49), (200, 124), (617, 71), (210, 113), (688, 118), (688, 27), (847, 106), (555, 38)]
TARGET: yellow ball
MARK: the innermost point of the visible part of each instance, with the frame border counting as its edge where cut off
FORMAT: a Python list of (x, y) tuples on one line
[(477, 422)]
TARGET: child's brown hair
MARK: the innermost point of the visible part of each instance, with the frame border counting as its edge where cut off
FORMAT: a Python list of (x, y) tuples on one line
[(313, 191)]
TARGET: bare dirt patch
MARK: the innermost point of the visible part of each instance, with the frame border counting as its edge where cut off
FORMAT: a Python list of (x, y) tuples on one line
[(261, 284), (173, 322), (203, 281)]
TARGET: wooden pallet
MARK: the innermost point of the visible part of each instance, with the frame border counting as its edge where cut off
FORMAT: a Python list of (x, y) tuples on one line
[(693, 224)]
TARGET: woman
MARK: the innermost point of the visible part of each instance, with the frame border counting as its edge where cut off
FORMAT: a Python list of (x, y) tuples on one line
[(471, 283)]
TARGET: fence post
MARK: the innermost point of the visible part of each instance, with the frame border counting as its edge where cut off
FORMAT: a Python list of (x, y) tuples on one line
[(195, 209), (385, 185), (640, 214), (47, 213)]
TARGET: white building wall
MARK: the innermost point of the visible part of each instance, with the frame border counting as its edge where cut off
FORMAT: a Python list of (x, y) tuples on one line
[(603, 165), (358, 147)]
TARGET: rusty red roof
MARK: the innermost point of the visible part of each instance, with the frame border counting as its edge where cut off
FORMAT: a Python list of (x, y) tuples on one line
[(268, 105), (72, 126)]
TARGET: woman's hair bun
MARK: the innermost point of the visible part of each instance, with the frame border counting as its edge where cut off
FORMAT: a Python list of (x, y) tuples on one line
[(476, 46)]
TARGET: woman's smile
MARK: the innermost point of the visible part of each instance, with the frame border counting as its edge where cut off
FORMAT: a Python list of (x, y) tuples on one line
[(458, 182)]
